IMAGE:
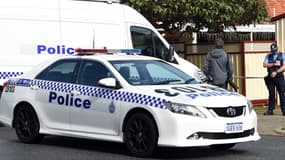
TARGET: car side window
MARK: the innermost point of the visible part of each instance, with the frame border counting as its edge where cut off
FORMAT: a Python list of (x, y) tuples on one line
[(149, 43), (91, 72), (60, 71)]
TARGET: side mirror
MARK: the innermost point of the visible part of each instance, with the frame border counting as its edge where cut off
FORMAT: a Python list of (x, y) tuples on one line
[(170, 57), (109, 83)]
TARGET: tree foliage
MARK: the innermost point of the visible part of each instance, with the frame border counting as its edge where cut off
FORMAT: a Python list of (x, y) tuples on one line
[(197, 14)]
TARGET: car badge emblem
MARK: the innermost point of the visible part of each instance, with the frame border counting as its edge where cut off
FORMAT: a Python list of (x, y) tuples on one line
[(112, 107), (231, 112)]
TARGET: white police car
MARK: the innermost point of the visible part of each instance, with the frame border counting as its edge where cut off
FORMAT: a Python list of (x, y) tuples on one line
[(138, 100)]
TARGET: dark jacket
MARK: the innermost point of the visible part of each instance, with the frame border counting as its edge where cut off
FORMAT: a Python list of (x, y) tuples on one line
[(218, 66)]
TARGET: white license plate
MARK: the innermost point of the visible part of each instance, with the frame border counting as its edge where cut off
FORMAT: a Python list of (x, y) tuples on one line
[(235, 127)]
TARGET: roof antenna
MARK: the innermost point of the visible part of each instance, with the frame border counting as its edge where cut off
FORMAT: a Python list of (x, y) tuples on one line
[(93, 44)]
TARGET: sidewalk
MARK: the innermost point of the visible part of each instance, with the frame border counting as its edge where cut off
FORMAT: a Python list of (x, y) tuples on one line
[(271, 125)]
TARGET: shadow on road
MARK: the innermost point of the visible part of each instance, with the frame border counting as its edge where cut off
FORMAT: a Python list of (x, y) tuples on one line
[(119, 148), (78, 146)]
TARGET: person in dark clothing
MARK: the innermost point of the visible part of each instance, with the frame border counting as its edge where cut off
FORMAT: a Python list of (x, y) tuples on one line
[(274, 62), (218, 65)]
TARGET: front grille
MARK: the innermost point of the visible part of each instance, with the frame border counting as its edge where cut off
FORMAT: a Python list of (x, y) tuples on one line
[(229, 111), (222, 135)]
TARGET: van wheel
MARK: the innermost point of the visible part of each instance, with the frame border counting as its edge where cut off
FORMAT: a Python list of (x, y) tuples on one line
[(140, 135), (222, 147), (27, 125)]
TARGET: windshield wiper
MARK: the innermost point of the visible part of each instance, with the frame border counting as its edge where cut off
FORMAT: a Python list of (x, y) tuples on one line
[(166, 81), (189, 80)]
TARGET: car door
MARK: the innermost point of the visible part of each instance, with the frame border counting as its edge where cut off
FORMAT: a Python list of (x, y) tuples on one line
[(98, 111), (54, 88)]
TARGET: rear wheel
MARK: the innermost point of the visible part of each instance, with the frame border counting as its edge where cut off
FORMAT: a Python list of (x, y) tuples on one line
[(27, 125), (141, 135), (222, 146)]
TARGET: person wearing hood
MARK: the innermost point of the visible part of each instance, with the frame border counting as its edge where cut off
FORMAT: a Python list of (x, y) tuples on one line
[(218, 65)]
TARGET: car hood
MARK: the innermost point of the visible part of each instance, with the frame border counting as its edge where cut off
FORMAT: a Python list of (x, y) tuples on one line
[(194, 94)]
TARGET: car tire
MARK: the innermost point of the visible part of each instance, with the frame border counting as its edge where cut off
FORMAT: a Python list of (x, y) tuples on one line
[(222, 147), (27, 125), (141, 135)]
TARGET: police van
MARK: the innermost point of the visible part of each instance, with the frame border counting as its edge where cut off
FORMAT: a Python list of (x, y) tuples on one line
[(141, 101), (36, 30)]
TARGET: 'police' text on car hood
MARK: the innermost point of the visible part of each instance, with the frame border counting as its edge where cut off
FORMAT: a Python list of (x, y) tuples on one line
[(195, 94)]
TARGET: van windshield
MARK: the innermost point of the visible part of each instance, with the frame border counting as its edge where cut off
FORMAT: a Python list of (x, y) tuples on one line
[(151, 72)]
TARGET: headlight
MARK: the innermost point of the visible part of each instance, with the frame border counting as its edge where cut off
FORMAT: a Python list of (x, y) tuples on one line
[(202, 76), (250, 106), (184, 109)]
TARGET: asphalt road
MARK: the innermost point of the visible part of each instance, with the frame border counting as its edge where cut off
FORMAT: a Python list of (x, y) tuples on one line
[(63, 148)]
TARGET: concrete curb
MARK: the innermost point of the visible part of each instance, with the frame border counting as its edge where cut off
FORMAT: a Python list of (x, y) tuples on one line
[(280, 131)]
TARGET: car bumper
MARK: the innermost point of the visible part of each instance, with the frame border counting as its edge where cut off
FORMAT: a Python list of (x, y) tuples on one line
[(186, 131)]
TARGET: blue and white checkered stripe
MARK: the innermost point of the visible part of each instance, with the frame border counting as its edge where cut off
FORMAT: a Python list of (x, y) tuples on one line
[(5, 75), (96, 92)]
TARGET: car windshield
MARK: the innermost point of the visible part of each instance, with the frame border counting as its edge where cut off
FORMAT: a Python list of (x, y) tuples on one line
[(151, 72)]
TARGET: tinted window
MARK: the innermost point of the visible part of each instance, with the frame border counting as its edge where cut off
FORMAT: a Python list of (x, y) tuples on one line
[(60, 71), (149, 43), (91, 72)]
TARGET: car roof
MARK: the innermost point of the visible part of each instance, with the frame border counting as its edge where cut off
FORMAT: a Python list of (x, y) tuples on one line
[(112, 57)]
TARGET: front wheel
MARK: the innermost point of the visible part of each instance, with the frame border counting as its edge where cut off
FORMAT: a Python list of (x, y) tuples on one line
[(141, 135), (27, 125)]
